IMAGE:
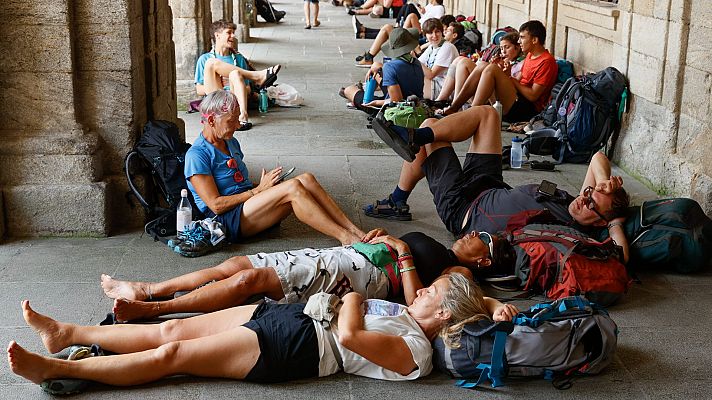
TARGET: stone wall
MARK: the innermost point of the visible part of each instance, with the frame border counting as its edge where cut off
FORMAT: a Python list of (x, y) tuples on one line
[(666, 137), (191, 35), (78, 81)]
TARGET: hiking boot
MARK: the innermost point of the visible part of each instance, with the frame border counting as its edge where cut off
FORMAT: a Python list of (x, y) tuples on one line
[(388, 209)]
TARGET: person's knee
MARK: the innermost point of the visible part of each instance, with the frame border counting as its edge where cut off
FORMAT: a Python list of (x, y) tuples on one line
[(167, 353), (234, 75), (210, 63), (294, 187), (249, 282), (428, 122), (308, 179), (170, 330)]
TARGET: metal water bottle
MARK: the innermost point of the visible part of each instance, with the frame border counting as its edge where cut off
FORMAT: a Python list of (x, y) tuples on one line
[(264, 101), (369, 90)]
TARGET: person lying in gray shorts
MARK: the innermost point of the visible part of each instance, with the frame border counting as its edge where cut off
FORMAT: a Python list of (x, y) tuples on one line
[(292, 276)]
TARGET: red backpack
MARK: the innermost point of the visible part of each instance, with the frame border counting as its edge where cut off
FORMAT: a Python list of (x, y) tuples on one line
[(560, 261)]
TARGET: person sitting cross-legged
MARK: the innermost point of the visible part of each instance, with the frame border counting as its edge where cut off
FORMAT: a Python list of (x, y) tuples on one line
[(268, 342), (474, 196)]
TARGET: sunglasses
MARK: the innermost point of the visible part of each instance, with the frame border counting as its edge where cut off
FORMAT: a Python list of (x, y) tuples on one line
[(237, 176), (591, 203)]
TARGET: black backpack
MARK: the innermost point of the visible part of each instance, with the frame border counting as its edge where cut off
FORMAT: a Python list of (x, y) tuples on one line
[(581, 118), (160, 153)]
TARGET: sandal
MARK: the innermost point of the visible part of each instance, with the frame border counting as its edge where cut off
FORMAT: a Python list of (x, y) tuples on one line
[(271, 77), (387, 209), (245, 126), (407, 150)]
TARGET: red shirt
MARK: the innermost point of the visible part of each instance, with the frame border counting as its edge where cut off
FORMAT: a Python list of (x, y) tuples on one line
[(542, 71)]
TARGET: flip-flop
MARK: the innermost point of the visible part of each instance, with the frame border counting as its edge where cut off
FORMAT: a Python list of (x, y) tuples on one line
[(245, 126), (271, 77)]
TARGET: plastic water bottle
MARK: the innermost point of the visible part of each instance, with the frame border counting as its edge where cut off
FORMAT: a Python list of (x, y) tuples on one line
[(369, 90), (264, 101), (184, 215), (515, 158), (498, 106)]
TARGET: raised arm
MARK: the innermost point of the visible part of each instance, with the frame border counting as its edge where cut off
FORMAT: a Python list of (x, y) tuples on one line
[(387, 351), (599, 177)]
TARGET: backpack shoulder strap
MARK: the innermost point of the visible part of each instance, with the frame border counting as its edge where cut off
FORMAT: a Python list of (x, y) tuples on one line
[(495, 370)]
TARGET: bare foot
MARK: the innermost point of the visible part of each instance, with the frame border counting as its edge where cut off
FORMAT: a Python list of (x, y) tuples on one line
[(130, 310), (28, 365), (351, 239), (273, 70), (114, 289), (52, 333)]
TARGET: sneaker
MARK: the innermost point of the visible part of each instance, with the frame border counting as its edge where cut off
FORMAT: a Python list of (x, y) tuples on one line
[(364, 63), (204, 237), (181, 236)]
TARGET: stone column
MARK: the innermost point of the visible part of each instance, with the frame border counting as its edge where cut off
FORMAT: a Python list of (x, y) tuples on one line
[(191, 24), (79, 80), (50, 164), (243, 15)]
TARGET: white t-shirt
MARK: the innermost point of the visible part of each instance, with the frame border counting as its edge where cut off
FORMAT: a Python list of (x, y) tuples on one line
[(386, 317), (432, 11), (442, 56)]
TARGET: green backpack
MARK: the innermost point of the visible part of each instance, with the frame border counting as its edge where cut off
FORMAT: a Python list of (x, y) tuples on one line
[(669, 233), (407, 114)]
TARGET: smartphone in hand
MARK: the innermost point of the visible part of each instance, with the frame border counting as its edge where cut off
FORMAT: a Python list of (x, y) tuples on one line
[(286, 174)]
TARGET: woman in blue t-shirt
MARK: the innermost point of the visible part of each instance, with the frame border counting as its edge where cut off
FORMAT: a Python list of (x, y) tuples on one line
[(221, 187)]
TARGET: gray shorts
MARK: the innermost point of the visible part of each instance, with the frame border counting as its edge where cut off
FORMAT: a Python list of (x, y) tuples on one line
[(336, 270)]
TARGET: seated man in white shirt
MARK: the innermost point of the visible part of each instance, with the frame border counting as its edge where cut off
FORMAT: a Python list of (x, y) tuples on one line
[(436, 58)]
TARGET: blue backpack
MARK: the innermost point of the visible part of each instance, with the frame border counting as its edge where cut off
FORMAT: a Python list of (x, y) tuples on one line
[(552, 340), (581, 119)]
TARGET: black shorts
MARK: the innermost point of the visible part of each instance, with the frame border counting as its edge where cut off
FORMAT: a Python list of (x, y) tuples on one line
[(289, 348), (522, 110), (454, 188)]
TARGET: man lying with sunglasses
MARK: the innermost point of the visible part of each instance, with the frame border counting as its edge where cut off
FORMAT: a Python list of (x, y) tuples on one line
[(474, 196)]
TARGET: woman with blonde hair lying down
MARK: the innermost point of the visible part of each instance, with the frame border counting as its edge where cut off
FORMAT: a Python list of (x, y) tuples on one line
[(267, 343)]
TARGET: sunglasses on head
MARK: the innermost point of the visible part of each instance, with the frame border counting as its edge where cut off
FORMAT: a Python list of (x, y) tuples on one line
[(591, 203), (237, 176)]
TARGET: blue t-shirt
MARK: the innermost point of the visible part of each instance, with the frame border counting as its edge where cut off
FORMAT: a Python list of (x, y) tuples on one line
[(235, 59), (409, 76), (204, 159)]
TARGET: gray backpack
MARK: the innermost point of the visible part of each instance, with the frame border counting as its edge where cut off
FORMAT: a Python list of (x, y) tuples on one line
[(553, 340)]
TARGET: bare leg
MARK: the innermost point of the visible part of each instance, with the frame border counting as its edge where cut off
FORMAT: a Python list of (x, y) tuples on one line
[(215, 70), (240, 90), (316, 14), (307, 18), (230, 292), (328, 204), (114, 288), (129, 338), (350, 92), (273, 205), (381, 38), (412, 21), (466, 83), (412, 172), (494, 80), (479, 123), (230, 354)]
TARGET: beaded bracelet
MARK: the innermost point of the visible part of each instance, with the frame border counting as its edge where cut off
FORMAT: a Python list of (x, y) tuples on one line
[(411, 268)]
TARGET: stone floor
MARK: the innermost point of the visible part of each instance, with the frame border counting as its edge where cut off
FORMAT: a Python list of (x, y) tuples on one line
[(656, 357)]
